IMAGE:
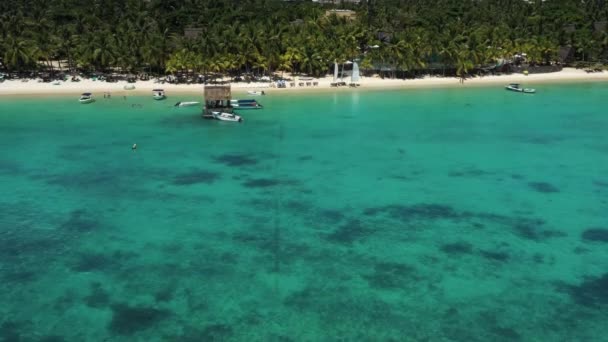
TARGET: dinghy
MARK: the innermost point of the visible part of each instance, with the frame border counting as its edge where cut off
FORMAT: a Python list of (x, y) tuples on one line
[(517, 88), (86, 98), (158, 94), (187, 103)]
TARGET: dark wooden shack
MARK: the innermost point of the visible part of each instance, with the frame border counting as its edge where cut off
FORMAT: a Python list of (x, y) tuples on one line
[(217, 99)]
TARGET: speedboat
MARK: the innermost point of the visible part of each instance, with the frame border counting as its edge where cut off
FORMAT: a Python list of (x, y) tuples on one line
[(158, 94), (226, 117), (517, 88), (245, 104), (186, 103), (255, 92), (86, 98)]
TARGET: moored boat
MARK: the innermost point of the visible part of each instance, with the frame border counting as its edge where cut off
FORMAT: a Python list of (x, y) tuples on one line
[(86, 98), (187, 103), (517, 88), (226, 117), (255, 92), (158, 94), (245, 104)]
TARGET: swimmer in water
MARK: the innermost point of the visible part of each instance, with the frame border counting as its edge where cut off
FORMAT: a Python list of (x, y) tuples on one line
[(134, 147)]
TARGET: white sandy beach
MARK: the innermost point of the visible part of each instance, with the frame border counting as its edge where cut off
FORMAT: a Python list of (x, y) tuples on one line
[(33, 87)]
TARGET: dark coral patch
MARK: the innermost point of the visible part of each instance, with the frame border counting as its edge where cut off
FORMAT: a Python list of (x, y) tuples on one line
[(81, 221), (495, 256), (391, 275), (418, 212), (543, 187), (349, 232), (52, 338), (98, 298), (469, 173), (127, 320), (11, 331), (457, 248), (591, 292), (88, 262), (331, 216), (509, 334), (600, 184), (261, 183), (236, 160), (595, 234), (531, 229), (165, 293), (212, 333), (196, 177)]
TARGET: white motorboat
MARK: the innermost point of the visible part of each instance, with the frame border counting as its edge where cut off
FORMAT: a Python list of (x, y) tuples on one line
[(245, 104), (255, 92), (517, 88), (86, 98), (158, 94), (227, 117), (187, 103)]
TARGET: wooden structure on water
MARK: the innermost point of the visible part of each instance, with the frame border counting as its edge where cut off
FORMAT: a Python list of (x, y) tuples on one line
[(217, 99)]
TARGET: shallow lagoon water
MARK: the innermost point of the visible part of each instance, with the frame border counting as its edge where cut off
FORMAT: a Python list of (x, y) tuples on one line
[(437, 214)]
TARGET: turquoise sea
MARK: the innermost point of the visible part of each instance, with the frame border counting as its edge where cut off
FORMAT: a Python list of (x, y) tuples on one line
[(400, 215)]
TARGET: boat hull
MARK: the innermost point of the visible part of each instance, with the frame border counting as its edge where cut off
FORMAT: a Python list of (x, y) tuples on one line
[(521, 90), (226, 117), (86, 101), (186, 104), (246, 107)]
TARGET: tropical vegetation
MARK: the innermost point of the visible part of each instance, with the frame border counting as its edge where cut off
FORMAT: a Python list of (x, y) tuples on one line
[(396, 37)]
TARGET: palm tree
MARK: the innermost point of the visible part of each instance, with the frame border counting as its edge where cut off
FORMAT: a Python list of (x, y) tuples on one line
[(18, 53)]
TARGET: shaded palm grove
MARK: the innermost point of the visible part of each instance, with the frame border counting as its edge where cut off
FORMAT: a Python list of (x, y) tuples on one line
[(262, 36)]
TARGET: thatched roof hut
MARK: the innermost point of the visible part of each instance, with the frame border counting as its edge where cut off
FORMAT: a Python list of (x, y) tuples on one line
[(218, 92), (217, 98)]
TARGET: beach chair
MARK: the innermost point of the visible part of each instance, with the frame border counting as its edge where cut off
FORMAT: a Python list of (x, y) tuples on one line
[(292, 84), (314, 84), (308, 84), (333, 84), (301, 84)]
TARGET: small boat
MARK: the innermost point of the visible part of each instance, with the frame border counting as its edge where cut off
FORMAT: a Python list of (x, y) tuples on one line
[(517, 88), (245, 104), (255, 92), (86, 98), (129, 87), (186, 103), (226, 117), (158, 94)]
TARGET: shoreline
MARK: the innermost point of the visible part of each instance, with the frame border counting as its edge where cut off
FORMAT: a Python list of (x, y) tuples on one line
[(567, 75)]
